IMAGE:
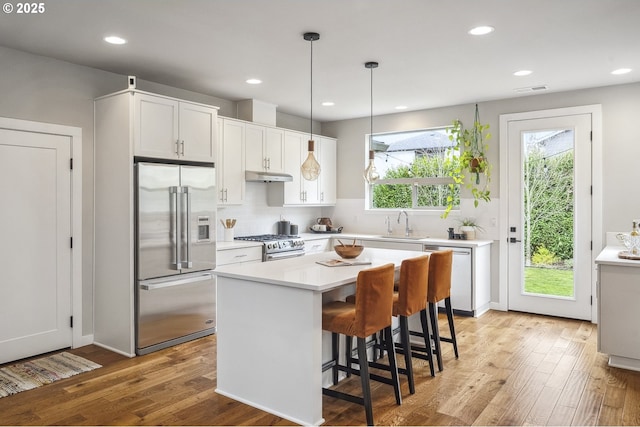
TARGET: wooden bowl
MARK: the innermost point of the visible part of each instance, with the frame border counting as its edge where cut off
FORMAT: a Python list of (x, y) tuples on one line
[(348, 251)]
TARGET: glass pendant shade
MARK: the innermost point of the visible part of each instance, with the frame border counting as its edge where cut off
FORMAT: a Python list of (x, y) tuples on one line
[(370, 173), (310, 168)]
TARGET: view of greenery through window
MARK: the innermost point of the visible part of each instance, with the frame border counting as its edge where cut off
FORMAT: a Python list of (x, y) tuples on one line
[(549, 212), (413, 170)]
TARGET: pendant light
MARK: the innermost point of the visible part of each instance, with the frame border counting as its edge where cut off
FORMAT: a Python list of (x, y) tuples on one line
[(370, 173), (310, 169)]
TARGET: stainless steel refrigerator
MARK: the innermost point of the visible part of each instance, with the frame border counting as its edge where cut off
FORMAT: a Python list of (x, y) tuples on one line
[(175, 254)]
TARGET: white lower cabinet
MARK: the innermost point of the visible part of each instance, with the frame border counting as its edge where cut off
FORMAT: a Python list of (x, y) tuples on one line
[(618, 305), (238, 255), (313, 246)]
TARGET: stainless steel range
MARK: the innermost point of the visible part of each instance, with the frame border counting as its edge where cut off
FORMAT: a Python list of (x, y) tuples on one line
[(277, 246)]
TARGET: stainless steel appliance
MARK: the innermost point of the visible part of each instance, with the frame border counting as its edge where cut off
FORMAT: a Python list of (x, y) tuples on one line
[(175, 253), (277, 246)]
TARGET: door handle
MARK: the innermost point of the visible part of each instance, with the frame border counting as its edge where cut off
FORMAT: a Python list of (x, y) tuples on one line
[(514, 240), (176, 228), (187, 194)]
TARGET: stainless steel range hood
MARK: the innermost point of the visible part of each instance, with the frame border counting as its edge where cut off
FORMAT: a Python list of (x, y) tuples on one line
[(261, 176)]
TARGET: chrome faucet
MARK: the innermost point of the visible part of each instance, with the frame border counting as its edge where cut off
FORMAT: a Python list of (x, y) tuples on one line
[(407, 229)]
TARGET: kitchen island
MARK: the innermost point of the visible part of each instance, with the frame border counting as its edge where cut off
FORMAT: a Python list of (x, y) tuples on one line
[(618, 308), (269, 329)]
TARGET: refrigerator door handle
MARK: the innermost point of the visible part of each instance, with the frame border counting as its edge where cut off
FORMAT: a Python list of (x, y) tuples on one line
[(151, 285), (187, 193), (177, 232)]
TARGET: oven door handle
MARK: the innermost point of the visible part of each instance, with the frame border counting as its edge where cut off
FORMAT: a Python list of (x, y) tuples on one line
[(284, 255)]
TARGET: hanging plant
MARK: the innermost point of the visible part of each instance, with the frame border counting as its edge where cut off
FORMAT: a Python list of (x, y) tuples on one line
[(472, 158)]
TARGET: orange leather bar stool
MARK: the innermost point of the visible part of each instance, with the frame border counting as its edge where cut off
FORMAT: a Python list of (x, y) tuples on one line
[(370, 314), (411, 298), (440, 289)]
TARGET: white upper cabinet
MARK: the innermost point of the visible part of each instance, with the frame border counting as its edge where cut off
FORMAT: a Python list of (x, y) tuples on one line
[(197, 132), (230, 166), (299, 192), (264, 148), (170, 129), (327, 153), (274, 149)]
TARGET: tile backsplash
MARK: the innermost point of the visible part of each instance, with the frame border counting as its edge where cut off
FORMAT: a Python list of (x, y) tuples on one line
[(255, 216)]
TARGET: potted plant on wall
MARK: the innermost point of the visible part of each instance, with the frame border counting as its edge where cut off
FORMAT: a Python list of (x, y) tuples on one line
[(472, 158)]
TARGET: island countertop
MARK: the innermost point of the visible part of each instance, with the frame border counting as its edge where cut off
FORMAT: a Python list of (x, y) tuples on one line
[(609, 256), (305, 273)]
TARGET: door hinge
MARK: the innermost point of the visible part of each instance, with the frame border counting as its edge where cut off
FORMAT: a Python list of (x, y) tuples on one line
[(71, 163), (591, 302), (71, 242), (71, 321), (591, 190), (591, 245), (591, 136)]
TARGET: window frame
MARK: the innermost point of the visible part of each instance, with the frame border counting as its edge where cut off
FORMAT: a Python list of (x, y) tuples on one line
[(413, 182)]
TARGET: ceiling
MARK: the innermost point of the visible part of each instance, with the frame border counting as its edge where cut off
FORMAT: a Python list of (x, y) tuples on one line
[(427, 58)]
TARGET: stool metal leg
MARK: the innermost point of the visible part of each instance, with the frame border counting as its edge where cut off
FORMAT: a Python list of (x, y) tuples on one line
[(452, 329), (364, 379), (392, 363), (427, 340), (406, 346), (433, 314), (335, 352), (348, 355)]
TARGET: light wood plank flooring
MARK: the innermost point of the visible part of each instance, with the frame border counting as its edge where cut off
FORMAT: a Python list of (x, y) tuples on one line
[(514, 369)]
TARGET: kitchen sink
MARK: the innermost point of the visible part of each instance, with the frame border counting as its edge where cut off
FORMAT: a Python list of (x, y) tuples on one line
[(394, 236)]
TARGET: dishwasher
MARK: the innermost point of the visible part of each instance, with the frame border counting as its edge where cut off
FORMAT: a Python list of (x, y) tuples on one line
[(461, 280)]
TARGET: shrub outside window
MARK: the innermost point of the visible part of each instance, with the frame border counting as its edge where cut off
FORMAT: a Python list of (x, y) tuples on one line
[(413, 168)]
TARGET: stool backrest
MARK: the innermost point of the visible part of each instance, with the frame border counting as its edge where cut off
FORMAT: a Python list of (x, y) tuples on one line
[(413, 285), (440, 275), (374, 299)]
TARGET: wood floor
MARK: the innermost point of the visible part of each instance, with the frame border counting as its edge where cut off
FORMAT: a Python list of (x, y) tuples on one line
[(514, 369)]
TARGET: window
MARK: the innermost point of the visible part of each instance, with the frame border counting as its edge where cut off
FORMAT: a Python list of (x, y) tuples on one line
[(413, 169)]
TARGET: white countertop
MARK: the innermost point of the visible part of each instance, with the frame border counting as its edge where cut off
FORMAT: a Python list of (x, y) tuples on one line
[(305, 273), (609, 256), (425, 240)]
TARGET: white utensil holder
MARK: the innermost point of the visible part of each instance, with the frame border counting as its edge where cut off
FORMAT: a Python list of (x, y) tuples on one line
[(228, 234)]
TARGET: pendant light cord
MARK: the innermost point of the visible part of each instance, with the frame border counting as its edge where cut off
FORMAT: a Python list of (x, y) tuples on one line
[(371, 115), (311, 96)]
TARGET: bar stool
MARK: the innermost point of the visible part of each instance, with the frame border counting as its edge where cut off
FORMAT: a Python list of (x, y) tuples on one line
[(411, 298), (370, 314), (440, 289)]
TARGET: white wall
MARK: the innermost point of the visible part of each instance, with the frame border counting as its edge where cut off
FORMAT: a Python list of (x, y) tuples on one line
[(621, 148)]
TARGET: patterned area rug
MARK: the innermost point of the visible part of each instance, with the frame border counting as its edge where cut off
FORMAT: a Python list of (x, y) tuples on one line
[(35, 373)]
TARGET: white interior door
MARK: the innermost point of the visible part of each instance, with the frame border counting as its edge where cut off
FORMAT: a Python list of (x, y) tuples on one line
[(35, 225), (550, 215)]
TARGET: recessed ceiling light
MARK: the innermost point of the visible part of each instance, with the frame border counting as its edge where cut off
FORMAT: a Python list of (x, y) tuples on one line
[(115, 40), (401, 107), (522, 73), (254, 81), (621, 71), (328, 104), (481, 30)]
